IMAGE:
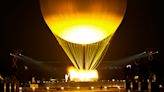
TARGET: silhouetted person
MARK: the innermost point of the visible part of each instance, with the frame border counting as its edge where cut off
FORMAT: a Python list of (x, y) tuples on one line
[(128, 84), (144, 85), (135, 85)]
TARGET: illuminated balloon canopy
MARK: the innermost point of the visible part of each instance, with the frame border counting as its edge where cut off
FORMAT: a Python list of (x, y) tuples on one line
[(83, 28)]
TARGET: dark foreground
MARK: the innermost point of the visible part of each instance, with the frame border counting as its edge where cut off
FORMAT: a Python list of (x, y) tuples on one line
[(88, 90)]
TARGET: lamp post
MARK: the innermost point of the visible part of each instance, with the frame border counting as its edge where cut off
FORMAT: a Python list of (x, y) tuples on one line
[(14, 85)]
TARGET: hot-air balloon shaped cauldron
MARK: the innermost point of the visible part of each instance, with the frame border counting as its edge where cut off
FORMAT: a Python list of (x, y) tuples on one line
[(84, 29)]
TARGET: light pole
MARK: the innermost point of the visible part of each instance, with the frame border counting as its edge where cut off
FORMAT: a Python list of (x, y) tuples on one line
[(14, 85)]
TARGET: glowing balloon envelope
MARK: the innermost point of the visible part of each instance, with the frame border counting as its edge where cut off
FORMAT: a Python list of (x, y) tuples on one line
[(83, 28)]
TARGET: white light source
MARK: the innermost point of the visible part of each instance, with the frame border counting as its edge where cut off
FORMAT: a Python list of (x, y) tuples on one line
[(33, 88), (113, 79), (92, 87), (105, 87), (20, 54), (26, 67), (118, 87), (128, 66), (78, 87), (62, 88), (20, 88), (160, 86), (47, 88), (11, 54)]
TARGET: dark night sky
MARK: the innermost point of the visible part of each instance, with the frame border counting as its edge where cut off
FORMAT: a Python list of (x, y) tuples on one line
[(24, 28)]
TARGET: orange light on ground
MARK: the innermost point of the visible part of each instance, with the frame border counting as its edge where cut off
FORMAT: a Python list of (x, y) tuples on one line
[(82, 75)]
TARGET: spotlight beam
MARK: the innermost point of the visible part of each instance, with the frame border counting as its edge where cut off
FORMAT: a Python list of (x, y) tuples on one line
[(30, 59), (39, 64), (11, 54), (128, 59), (122, 61)]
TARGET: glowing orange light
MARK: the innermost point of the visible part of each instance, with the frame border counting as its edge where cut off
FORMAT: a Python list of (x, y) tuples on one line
[(82, 28), (102, 17), (82, 75)]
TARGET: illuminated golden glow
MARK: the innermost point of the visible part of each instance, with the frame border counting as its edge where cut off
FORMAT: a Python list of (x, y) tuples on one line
[(86, 56), (75, 20), (82, 75), (136, 77), (83, 28), (83, 34)]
